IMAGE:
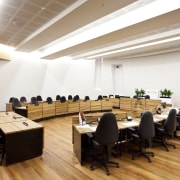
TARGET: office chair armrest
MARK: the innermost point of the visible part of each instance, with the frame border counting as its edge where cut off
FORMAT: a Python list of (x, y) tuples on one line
[(90, 135), (131, 129), (157, 124), (135, 135)]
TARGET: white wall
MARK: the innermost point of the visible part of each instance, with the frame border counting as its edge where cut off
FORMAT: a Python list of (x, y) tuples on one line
[(28, 76), (152, 73), (31, 77)]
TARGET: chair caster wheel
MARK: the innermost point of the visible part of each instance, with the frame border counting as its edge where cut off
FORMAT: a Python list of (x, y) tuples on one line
[(108, 173)]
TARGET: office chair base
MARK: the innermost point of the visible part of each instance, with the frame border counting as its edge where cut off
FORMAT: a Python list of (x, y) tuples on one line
[(143, 153), (104, 163), (166, 144)]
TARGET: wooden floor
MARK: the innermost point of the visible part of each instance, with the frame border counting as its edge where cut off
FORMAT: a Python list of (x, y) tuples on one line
[(59, 162)]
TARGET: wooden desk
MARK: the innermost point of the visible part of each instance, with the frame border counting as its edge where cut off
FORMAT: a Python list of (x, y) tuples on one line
[(22, 142), (80, 139)]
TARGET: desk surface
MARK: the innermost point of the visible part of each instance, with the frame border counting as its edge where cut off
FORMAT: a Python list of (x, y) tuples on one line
[(11, 122), (18, 126), (7, 114), (122, 124)]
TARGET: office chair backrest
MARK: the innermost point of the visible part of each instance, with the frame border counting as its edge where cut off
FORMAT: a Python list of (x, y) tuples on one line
[(100, 97), (49, 100), (76, 98), (23, 99), (170, 123), (39, 98), (11, 99), (58, 97), (63, 99), (147, 97), (16, 103), (70, 97), (34, 101), (146, 127), (86, 98), (107, 130)]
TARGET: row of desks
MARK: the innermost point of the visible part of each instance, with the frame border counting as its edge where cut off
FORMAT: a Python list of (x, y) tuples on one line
[(45, 110), (23, 137), (79, 138)]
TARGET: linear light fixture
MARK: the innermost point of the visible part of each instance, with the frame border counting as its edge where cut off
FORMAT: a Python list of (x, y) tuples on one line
[(135, 47), (134, 15)]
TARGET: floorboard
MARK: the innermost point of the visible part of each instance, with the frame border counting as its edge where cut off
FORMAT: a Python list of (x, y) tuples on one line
[(59, 162)]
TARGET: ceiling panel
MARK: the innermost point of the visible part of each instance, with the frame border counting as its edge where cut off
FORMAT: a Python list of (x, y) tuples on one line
[(27, 25)]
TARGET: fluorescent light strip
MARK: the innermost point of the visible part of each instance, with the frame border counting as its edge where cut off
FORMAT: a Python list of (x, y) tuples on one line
[(135, 47), (130, 18)]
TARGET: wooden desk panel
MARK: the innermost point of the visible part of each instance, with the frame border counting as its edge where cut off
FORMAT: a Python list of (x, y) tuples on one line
[(61, 108), (9, 107), (116, 102), (34, 111), (95, 105), (138, 107), (126, 104), (49, 110), (85, 106), (73, 107), (152, 105), (106, 105)]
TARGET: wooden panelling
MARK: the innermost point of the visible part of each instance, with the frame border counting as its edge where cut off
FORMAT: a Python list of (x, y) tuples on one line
[(73, 107), (132, 106), (85, 106), (61, 108), (138, 107), (34, 111), (152, 105), (115, 102), (126, 104), (9, 107), (49, 109), (95, 105), (106, 105)]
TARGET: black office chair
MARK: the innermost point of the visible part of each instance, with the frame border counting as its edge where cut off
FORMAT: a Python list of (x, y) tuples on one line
[(100, 97), (143, 135), (34, 101), (63, 99), (2, 147), (105, 137), (39, 98), (86, 98), (49, 100), (11, 99), (177, 133), (16, 103), (58, 97), (23, 99), (166, 129), (147, 97), (70, 97)]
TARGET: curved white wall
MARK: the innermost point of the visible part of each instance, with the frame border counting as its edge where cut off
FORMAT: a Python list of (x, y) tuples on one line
[(31, 77)]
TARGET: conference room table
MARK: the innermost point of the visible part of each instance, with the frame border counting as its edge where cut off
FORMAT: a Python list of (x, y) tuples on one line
[(23, 137), (80, 139)]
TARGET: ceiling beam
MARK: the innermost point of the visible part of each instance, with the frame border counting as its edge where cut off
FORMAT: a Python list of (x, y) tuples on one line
[(88, 12)]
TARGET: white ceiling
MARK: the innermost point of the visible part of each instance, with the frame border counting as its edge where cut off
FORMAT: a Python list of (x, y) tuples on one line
[(37, 25)]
